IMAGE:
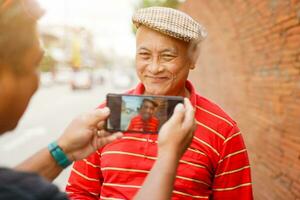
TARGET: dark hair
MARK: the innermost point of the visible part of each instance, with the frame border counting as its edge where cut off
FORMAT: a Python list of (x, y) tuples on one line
[(17, 27), (151, 101)]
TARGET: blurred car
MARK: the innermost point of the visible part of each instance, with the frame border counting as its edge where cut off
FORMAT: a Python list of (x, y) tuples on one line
[(101, 76), (63, 76), (122, 79), (82, 80)]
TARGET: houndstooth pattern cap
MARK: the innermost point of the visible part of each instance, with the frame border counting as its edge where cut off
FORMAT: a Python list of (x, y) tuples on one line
[(171, 22)]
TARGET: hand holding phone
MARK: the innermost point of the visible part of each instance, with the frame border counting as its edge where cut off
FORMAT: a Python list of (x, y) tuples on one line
[(85, 134), (179, 128), (139, 113)]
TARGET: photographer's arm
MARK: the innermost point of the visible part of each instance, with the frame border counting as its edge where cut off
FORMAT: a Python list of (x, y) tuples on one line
[(174, 138), (41, 163), (79, 140)]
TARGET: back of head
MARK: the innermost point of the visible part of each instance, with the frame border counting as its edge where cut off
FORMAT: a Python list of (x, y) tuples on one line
[(17, 27)]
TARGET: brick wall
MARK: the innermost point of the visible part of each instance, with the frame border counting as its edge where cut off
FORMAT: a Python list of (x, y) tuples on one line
[(250, 65)]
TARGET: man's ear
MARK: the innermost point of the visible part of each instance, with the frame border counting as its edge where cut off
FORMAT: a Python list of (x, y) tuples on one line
[(192, 65), (193, 54), (192, 61)]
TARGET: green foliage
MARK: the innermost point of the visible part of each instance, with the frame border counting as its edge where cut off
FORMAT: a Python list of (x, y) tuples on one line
[(164, 3), (47, 64)]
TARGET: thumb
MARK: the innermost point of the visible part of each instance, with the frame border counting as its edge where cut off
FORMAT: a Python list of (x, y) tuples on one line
[(178, 115), (97, 115)]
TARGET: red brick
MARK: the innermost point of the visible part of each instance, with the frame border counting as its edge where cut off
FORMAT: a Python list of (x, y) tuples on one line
[(253, 51)]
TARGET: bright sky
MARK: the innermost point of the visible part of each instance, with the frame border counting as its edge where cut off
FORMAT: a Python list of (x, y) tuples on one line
[(109, 20)]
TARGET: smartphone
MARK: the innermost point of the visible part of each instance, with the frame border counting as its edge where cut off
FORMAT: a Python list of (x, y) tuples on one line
[(139, 113)]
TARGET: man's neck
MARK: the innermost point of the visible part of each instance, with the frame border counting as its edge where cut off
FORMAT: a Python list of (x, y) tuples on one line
[(145, 120), (185, 93)]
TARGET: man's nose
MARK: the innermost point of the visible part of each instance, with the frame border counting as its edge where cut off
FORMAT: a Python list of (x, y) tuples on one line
[(155, 67)]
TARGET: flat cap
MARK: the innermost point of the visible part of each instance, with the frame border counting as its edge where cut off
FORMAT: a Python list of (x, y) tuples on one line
[(171, 22)]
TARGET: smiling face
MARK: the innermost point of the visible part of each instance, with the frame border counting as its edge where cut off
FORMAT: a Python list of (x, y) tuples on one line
[(147, 110), (162, 62)]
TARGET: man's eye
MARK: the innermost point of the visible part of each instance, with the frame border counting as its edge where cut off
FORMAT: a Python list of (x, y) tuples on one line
[(144, 55), (168, 57)]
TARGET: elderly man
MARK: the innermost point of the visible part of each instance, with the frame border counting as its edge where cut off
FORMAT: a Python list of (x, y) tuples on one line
[(215, 166), (145, 121), (20, 54)]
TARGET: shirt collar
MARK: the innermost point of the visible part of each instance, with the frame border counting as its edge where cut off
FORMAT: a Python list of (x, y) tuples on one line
[(140, 88)]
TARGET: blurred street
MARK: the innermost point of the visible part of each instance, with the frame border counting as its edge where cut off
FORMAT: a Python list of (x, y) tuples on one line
[(50, 111)]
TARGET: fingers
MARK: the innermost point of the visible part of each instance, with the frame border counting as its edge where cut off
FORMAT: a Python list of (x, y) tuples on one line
[(189, 118), (97, 116), (100, 125), (178, 115), (101, 141), (102, 133)]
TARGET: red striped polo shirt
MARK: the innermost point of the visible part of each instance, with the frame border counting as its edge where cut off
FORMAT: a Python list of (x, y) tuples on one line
[(138, 124), (215, 166)]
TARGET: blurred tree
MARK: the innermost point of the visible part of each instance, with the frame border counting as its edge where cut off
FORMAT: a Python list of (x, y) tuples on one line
[(164, 3), (47, 64)]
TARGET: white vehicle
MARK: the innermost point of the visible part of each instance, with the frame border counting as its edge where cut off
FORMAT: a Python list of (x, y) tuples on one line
[(122, 79), (63, 76), (101, 76), (81, 80)]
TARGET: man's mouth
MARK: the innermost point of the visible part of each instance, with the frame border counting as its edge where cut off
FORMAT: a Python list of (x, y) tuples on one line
[(145, 116), (157, 79)]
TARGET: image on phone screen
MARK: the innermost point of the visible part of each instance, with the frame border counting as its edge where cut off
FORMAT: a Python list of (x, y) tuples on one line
[(139, 114)]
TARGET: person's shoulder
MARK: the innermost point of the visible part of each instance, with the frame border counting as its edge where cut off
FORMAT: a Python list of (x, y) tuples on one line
[(209, 106), (18, 185), (129, 91), (213, 114), (9, 175), (136, 118), (154, 119)]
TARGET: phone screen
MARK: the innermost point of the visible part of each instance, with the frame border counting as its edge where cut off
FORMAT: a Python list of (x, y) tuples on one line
[(139, 114)]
